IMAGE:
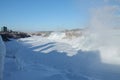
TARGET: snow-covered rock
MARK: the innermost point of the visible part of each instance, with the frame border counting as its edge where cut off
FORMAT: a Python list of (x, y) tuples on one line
[(56, 36), (2, 55)]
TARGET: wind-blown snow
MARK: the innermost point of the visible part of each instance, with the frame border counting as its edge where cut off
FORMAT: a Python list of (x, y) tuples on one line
[(104, 34)]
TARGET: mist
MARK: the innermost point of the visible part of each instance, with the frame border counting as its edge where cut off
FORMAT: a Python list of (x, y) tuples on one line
[(103, 34)]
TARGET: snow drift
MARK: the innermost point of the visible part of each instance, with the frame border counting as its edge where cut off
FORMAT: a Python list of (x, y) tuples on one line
[(57, 36), (41, 58)]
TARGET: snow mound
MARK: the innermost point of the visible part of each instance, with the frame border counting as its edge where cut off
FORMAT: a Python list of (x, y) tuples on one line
[(57, 36), (2, 55)]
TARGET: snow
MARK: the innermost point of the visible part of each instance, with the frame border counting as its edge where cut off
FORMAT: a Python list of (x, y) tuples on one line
[(56, 36), (41, 58), (94, 55), (2, 55)]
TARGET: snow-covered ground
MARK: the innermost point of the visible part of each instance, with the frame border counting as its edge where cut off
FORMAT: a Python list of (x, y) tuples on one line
[(55, 58), (2, 56)]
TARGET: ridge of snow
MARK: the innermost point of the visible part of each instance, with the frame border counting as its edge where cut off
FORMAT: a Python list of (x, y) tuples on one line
[(2, 55)]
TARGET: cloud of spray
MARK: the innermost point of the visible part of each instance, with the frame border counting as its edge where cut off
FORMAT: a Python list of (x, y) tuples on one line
[(104, 34)]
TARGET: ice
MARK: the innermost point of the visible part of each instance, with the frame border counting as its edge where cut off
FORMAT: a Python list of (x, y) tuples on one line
[(2, 55)]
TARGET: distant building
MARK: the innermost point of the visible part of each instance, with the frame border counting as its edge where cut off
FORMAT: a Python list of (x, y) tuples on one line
[(4, 29)]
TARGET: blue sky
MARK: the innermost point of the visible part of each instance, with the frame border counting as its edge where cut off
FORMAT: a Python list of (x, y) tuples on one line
[(38, 15)]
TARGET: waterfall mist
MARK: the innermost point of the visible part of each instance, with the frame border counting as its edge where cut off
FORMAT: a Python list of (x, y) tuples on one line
[(103, 34)]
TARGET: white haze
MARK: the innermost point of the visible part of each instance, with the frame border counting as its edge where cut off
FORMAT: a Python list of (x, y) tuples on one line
[(104, 34)]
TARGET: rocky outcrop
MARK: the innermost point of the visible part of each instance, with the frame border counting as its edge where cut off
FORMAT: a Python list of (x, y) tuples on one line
[(14, 35)]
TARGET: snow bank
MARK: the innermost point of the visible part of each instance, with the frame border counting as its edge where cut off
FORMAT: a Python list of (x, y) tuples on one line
[(57, 36), (71, 39), (2, 55)]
